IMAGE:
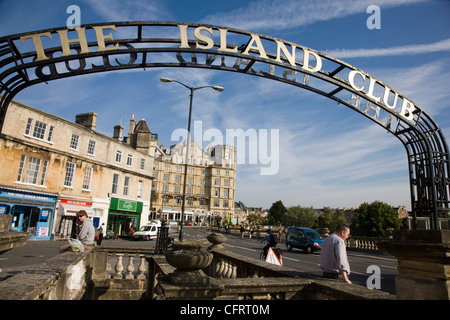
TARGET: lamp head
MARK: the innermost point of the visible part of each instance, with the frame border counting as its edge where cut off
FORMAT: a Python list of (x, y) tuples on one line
[(217, 88), (166, 80)]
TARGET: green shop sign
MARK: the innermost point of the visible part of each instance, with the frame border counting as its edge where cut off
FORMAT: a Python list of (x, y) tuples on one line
[(125, 205)]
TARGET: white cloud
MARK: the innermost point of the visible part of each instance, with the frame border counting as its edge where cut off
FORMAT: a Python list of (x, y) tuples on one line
[(129, 10), (413, 49), (286, 14)]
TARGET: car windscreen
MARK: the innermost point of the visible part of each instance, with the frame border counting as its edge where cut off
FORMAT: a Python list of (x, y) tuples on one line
[(313, 235)]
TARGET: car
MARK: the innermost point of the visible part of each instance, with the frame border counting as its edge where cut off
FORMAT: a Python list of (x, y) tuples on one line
[(148, 232), (308, 240)]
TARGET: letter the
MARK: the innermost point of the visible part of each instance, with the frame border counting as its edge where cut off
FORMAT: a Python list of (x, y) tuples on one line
[(38, 44), (65, 41), (101, 38)]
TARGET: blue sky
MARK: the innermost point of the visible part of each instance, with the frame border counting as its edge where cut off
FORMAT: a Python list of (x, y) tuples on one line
[(329, 155)]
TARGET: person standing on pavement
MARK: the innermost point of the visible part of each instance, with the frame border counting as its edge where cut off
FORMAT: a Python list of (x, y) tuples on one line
[(100, 235), (85, 232), (333, 259)]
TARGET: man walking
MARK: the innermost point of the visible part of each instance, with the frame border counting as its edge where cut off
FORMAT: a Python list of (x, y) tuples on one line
[(333, 260)]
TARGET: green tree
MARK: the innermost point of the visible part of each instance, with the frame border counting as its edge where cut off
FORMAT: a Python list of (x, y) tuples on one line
[(372, 220), (326, 220), (276, 213), (301, 217)]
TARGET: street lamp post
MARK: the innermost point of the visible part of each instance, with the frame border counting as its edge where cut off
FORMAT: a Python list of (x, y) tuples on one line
[(191, 89)]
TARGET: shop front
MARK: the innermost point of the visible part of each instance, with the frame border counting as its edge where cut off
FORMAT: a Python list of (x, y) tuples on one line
[(31, 211), (124, 217), (67, 211)]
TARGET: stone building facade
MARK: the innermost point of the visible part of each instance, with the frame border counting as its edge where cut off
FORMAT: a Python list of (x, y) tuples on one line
[(210, 183), (52, 167)]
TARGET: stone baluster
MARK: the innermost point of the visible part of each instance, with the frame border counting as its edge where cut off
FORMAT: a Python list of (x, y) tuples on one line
[(119, 266), (108, 265), (142, 267), (130, 267)]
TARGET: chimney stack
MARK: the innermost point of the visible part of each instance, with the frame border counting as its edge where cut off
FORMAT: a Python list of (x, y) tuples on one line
[(88, 120), (118, 132)]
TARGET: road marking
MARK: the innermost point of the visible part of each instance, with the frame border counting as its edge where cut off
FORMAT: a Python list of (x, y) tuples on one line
[(287, 258)]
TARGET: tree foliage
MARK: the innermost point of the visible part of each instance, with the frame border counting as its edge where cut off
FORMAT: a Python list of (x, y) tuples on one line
[(301, 217), (276, 213), (373, 220)]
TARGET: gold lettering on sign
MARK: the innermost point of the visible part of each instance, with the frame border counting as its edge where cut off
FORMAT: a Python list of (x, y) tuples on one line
[(102, 37), (40, 54), (65, 42)]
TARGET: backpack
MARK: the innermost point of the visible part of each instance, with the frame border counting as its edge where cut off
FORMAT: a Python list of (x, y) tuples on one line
[(273, 241)]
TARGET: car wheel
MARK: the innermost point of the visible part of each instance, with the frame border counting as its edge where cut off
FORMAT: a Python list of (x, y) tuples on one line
[(308, 250), (148, 238), (288, 246)]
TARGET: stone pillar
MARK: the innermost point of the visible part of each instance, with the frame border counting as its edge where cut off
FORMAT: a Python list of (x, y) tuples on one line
[(423, 263)]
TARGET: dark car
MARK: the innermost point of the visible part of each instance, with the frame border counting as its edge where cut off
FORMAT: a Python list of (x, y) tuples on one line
[(308, 240)]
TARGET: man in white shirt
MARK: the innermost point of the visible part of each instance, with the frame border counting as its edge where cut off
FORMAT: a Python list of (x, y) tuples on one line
[(333, 260)]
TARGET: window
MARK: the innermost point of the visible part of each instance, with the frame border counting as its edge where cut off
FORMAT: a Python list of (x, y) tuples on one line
[(74, 141), (178, 178), (91, 148), (30, 169), (189, 190), (33, 168), (166, 177), (115, 183), (39, 131), (87, 177), (190, 180), (140, 189), (44, 173), (129, 160), (165, 188), (190, 201), (217, 192), (216, 203), (70, 174), (217, 181), (118, 156), (28, 128), (226, 193), (165, 199), (50, 134), (177, 189), (142, 166), (126, 184)]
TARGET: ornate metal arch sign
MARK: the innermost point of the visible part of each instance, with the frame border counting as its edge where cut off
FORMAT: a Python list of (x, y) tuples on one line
[(41, 56)]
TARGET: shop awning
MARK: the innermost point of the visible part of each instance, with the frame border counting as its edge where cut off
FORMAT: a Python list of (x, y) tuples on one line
[(68, 209)]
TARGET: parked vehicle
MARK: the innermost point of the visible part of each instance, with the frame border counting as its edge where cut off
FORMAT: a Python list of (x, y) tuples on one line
[(305, 239), (148, 232)]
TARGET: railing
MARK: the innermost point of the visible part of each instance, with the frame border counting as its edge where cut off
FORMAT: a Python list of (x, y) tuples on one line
[(364, 244)]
